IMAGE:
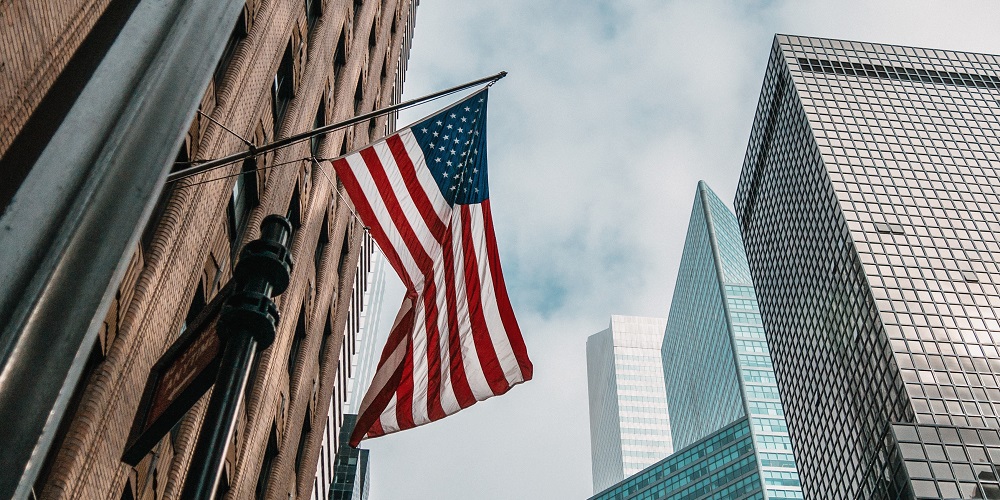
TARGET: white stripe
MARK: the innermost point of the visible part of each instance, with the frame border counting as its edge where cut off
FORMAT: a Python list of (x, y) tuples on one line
[(470, 359), (420, 368), (388, 417), (491, 311), (367, 183), (449, 402), (424, 176)]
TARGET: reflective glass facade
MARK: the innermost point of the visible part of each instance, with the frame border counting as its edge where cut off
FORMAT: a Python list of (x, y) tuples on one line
[(350, 470), (720, 467), (629, 426), (716, 361), (868, 204)]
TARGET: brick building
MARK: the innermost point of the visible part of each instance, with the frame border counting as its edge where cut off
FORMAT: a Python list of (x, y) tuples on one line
[(288, 66)]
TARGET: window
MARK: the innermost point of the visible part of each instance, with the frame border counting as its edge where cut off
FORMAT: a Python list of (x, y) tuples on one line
[(294, 213), (359, 96), (306, 428), (314, 10), (238, 34), (300, 335), (244, 198), (265, 467), (340, 55), (197, 304), (324, 241), (316, 140), (327, 331), (283, 88)]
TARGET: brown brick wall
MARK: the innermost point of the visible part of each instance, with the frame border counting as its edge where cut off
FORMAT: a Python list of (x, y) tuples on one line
[(190, 247), (37, 39)]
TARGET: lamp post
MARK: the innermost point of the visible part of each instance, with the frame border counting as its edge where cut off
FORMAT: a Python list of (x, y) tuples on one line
[(247, 324)]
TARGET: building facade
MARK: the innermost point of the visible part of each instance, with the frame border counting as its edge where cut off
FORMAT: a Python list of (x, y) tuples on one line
[(629, 426), (716, 364), (722, 466), (361, 337), (868, 204), (288, 66)]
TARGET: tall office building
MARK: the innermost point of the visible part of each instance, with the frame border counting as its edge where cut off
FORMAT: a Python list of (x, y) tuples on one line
[(288, 66), (869, 203), (726, 418), (629, 426)]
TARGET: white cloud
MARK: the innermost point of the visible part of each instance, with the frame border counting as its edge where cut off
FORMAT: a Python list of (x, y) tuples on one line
[(613, 110)]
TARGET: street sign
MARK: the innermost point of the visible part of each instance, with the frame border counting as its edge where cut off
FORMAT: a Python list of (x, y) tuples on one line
[(177, 381)]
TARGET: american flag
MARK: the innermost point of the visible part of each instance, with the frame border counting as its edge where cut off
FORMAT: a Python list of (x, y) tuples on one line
[(423, 194)]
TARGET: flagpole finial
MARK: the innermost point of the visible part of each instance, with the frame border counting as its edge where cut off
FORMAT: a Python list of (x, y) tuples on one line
[(496, 78)]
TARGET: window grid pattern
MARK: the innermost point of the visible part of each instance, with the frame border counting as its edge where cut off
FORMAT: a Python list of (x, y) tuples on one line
[(735, 348), (629, 423), (868, 204), (697, 337), (720, 466)]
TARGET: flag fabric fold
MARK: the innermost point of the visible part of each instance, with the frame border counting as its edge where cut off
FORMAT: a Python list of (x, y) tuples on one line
[(423, 194)]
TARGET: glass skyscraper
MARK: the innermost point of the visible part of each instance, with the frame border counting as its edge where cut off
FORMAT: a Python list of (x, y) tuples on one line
[(726, 417), (868, 204), (629, 427)]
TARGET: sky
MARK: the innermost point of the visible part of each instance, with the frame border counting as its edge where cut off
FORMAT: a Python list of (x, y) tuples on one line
[(611, 113)]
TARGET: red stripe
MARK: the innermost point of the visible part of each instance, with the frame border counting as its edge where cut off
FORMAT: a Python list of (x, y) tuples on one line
[(417, 193), (435, 410), (377, 170), (459, 381), (404, 391), (473, 293), (357, 195), (502, 300)]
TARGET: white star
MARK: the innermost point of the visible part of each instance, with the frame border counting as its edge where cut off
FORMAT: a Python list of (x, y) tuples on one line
[(449, 126), (432, 145), (452, 151), (445, 137), (464, 153), (460, 130), (452, 188), (457, 141), (437, 160), (439, 122), (445, 174), (441, 148), (457, 176), (424, 130), (448, 163), (464, 119), (480, 100), (470, 180), (475, 170), (476, 190), (453, 115), (468, 108), (435, 134)]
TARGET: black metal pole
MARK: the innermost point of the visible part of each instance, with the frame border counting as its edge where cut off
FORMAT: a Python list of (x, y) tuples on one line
[(280, 143), (247, 322)]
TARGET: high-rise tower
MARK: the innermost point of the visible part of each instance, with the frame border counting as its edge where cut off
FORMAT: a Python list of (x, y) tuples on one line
[(869, 203), (726, 417), (629, 427), (716, 362)]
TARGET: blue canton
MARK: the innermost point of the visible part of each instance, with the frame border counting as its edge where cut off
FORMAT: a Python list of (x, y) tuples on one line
[(454, 145)]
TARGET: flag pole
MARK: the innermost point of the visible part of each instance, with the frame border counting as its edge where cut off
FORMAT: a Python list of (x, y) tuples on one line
[(280, 143)]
